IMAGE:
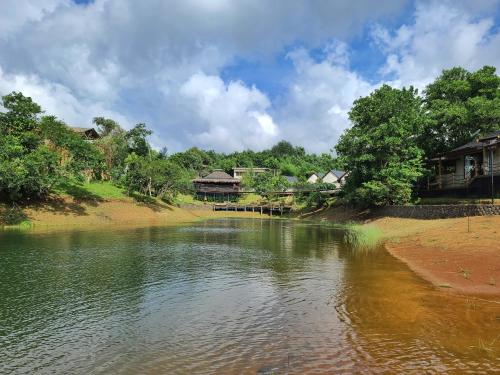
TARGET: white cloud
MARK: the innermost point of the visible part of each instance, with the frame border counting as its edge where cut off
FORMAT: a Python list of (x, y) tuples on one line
[(56, 99), (442, 35), (161, 62), (315, 109), (234, 116)]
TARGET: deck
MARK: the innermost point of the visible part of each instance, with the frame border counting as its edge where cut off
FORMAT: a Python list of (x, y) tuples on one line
[(262, 209)]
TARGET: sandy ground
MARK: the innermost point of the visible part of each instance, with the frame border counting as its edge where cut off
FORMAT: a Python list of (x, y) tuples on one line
[(66, 213), (461, 255)]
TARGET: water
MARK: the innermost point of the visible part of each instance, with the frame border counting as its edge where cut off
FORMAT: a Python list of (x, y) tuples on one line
[(228, 297)]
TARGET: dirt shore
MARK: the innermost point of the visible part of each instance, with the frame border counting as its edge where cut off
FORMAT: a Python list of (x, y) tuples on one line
[(66, 213), (460, 255)]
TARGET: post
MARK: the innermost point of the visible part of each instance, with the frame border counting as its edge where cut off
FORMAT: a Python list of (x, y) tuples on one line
[(492, 177), (440, 178)]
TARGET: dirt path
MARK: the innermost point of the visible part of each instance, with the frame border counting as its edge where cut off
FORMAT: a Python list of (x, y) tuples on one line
[(454, 254)]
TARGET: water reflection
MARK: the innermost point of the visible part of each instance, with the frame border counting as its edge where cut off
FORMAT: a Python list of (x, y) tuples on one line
[(227, 296)]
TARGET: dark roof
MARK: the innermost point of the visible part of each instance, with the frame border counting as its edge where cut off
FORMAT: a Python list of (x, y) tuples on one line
[(218, 176), (477, 144), (495, 134), (291, 179), (88, 132)]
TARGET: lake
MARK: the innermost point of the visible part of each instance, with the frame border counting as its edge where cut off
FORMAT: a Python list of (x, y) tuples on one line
[(229, 297)]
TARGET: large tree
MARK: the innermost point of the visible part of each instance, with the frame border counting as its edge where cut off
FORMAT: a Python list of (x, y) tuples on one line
[(380, 151), (460, 104)]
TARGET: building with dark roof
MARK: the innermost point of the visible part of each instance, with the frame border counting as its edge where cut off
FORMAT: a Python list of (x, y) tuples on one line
[(217, 186), (468, 167), (86, 133)]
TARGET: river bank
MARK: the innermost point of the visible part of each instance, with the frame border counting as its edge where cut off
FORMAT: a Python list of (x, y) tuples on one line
[(62, 213), (459, 254)]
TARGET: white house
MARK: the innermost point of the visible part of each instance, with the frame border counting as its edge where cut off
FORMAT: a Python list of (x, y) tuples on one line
[(315, 177), (334, 177)]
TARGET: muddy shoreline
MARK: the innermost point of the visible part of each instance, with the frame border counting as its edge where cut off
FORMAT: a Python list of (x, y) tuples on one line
[(456, 255)]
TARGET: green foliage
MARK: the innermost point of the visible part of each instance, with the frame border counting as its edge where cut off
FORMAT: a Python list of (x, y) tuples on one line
[(157, 176), (267, 183), (28, 168), (381, 150), (460, 104)]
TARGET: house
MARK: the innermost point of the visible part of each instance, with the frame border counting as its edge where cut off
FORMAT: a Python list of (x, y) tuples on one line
[(239, 172), (468, 169), (334, 177), (89, 134), (315, 177), (291, 179), (218, 185)]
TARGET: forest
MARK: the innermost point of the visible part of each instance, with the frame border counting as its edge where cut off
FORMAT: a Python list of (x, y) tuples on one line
[(394, 131)]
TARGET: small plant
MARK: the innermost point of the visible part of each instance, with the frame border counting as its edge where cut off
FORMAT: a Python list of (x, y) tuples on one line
[(492, 281), (465, 273)]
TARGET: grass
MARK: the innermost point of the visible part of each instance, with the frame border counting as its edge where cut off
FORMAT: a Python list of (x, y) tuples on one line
[(363, 236), (187, 199), (102, 190), (250, 198)]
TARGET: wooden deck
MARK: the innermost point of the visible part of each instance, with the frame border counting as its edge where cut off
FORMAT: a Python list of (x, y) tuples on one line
[(262, 209)]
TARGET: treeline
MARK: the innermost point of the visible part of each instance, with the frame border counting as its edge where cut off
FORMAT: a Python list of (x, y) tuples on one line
[(394, 131), (39, 154)]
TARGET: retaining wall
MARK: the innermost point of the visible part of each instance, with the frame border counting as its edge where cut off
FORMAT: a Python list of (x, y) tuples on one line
[(439, 211)]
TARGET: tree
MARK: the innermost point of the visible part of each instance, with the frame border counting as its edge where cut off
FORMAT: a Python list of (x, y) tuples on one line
[(136, 138), (28, 168), (460, 104), (105, 126), (156, 177), (381, 151), (114, 146)]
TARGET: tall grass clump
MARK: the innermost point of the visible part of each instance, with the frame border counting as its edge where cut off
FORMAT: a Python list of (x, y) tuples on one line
[(362, 237)]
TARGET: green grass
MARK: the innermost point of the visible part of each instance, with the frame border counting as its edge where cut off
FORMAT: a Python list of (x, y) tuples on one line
[(102, 190), (250, 198), (186, 199), (363, 236)]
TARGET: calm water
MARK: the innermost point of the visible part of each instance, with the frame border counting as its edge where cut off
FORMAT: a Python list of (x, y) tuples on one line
[(228, 297)]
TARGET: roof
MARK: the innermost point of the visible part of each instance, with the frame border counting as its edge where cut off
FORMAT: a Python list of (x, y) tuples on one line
[(489, 136), (337, 173), (291, 179), (85, 131), (319, 174), (79, 129), (218, 176), (249, 169)]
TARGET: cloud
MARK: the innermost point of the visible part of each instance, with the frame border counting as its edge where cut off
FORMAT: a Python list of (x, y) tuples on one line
[(442, 35), (315, 109), (57, 99), (234, 116), (161, 62)]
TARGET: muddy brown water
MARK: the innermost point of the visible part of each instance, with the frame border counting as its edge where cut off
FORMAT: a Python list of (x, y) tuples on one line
[(229, 297)]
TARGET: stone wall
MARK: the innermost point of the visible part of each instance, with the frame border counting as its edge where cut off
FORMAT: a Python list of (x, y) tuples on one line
[(438, 211)]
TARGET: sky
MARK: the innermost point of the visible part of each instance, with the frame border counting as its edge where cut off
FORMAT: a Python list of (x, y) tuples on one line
[(231, 75)]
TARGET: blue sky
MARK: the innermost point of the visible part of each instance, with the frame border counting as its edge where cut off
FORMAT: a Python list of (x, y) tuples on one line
[(233, 75)]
